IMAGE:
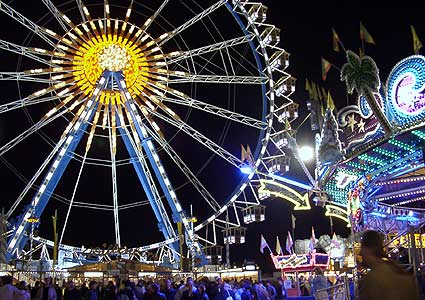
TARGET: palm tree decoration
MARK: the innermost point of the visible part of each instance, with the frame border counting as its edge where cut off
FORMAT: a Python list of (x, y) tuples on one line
[(361, 74)]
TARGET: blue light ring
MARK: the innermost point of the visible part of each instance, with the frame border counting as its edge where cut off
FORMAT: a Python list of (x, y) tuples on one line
[(415, 66)]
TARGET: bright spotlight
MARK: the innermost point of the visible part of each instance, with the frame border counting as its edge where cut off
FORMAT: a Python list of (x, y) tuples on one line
[(246, 169), (306, 153)]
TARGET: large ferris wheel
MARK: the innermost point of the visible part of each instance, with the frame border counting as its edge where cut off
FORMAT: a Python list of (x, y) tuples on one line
[(128, 120)]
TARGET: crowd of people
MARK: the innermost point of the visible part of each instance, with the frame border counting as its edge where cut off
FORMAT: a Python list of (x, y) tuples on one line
[(203, 289), (385, 280)]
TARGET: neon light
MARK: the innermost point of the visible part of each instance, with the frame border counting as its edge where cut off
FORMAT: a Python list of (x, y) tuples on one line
[(337, 212), (272, 187), (288, 263), (290, 181)]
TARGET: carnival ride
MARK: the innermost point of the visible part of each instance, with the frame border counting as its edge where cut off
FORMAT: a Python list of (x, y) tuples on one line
[(373, 179), (111, 90)]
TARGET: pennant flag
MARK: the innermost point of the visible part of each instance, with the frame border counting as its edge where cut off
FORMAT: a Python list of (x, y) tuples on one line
[(330, 102), (365, 35), (319, 94), (249, 154), (288, 126), (246, 154), (416, 42), (325, 68), (308, 87), (313, 91), (243, 153), (263, 244), (312, 240), (293, 221), (335, 40), (325, 95), (278, 248), (335, 241), (289, 243)]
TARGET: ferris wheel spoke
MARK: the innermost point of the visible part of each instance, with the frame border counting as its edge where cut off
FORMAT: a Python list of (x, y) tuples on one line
[(72, 199), (183, 99), (25, 51), (35, 187), (80, 8), (34, 128), (211, 48), (28, 101), (192, 132), (159, 169), (133, 205), (185, 170), (21, 76), (192, 21), (215, 110), (45, 34), (30, 183), (112, 149), (63, 20), (219, 79), (150, 20)]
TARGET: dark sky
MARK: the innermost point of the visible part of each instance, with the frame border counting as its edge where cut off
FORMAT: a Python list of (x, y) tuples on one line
[(306, 34)]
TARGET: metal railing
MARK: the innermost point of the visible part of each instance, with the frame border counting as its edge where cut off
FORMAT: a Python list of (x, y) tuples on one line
[(340, 291)]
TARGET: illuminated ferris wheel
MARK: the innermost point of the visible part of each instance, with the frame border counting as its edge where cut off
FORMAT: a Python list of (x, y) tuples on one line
[(128, 119)]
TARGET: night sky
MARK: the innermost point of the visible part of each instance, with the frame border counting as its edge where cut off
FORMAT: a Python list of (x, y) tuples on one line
[(306, 35)]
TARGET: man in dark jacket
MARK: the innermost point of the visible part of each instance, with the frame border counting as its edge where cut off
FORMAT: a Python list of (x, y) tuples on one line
[(71, 293), (281, 290)]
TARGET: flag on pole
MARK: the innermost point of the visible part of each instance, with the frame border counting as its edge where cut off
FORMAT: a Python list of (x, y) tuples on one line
[(326, 65), (293, 221), (246, 155), (312, 240), (314, 91), (416, 42), (289, 243), (330, 102), (249, 155), (335, 241), (243, 153), (288, 126), (308, 87), (335, 40), (278, 247), (365, 35), (263, 244)]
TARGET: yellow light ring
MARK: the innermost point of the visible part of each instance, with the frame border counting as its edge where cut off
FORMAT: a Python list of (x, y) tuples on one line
[(82, 45)]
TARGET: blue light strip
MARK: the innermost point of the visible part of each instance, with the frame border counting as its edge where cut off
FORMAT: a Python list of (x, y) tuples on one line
[(291, 182)]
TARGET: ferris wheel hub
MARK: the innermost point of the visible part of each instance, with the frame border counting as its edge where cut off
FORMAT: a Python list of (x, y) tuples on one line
[(95, 52), (114, 58)]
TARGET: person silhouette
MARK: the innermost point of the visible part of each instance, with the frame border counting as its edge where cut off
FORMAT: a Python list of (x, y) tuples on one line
[(386, 280)]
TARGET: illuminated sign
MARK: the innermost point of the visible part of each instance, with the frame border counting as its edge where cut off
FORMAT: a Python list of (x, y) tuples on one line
[(337, 212), (274, 188), (344, 179), (404, 241), (406, 91), (406, 98), (300, 262)]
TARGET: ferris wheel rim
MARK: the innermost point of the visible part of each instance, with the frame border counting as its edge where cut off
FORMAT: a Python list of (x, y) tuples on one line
[(260, 144)]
